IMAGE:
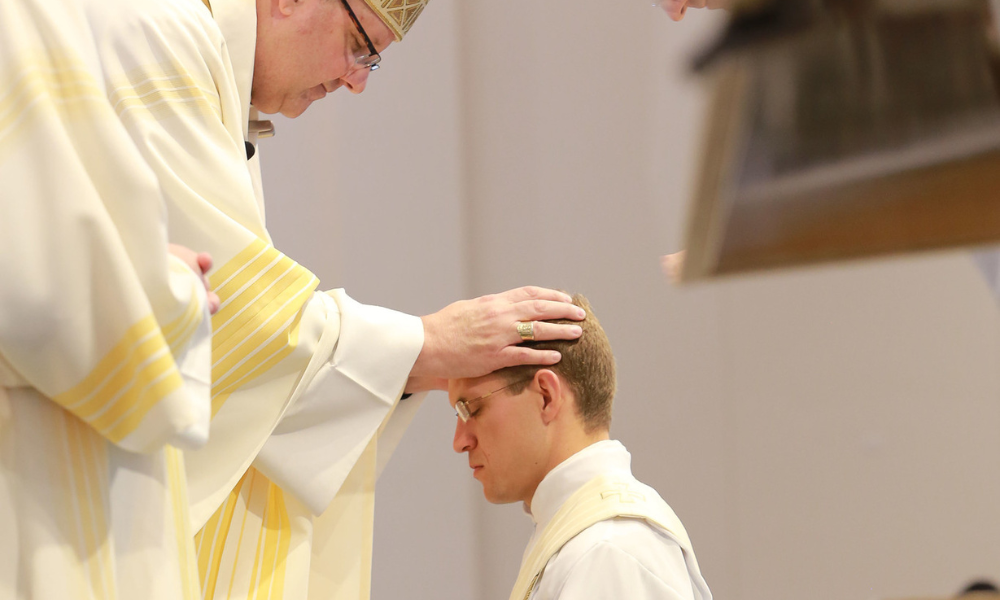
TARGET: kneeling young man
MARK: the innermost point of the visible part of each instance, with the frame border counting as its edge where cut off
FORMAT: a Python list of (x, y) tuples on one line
[(541, 436)]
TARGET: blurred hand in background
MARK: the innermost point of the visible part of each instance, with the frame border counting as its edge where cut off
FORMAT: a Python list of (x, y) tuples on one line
[(677, 8)]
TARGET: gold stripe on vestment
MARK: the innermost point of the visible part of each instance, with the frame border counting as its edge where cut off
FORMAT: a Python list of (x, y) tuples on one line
[(211, 541), (257, 325), (56, 81), (268, 577), (254, 495), (132, 377), (158, 90)]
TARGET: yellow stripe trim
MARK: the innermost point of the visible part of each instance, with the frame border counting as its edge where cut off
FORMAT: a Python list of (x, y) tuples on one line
[(133, 377), (271, 543), (220, 276), (211, 541), (60, 78), (252, 370), (119, 357), (255, 573), (267, 322), (277, 538), (170, 383), (247, 502), (156, 90), (258, 266), (262, 293), (272, 287), (104, 409)]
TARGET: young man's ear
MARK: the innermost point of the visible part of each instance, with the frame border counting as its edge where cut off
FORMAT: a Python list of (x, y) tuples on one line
[(553, 393)]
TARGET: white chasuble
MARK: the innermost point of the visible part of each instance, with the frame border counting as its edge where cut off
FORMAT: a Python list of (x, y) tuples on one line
[(104, 337), (602, 535), (303, 382)]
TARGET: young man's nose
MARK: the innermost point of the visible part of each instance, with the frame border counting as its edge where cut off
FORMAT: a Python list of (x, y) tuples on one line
[(463, 441)]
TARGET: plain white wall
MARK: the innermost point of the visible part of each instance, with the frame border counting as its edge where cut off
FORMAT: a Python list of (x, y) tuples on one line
[(829, 433)]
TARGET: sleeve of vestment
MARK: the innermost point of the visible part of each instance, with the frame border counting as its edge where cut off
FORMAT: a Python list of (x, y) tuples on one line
[(608, 572), (317, 442), (94, 313), (327, 369)]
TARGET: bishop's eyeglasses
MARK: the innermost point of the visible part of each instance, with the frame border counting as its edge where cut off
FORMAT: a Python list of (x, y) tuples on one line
[(371, 59), (462, 406)]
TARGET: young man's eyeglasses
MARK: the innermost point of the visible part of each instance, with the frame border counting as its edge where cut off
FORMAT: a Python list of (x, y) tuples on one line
[(462, 406), (371, 59)]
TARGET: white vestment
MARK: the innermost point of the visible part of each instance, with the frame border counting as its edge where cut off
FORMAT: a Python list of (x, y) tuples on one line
[(104, 337), (303, 382), (600, 534)]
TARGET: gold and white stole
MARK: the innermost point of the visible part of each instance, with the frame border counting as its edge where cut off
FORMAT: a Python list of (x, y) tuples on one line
[(602, 498)]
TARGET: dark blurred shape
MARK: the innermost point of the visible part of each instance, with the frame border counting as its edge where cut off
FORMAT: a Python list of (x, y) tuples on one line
[(847, 128), (759, 24), (980, 585)]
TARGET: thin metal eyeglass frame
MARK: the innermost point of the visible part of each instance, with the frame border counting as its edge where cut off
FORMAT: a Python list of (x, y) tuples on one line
[(374, 58), (462, 406)]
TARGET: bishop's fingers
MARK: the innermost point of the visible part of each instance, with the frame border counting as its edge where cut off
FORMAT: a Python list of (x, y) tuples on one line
[(213, 303), (520, 355), (204, 260), (548, 310), (554, 331), (531, 292)]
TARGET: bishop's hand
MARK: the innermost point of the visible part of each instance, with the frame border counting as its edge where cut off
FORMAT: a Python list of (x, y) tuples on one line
[(201, 264), (472, 338)]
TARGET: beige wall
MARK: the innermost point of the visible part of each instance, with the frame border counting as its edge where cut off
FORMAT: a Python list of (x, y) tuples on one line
[(829, 433)]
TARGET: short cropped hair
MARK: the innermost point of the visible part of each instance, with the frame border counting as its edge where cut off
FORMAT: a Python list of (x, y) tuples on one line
[(587, 366)]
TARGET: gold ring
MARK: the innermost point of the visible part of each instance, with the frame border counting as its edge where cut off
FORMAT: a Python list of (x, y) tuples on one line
[(526, 329)]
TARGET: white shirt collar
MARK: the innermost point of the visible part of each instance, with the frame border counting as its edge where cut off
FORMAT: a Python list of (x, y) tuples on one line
[(602, 458), (237, 19)]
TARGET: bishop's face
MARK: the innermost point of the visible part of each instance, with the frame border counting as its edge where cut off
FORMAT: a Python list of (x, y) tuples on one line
[(505, 438), (306, 49)]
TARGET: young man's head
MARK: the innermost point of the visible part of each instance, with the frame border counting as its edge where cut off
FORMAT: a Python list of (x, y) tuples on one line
[(524, 421), (307, 49)]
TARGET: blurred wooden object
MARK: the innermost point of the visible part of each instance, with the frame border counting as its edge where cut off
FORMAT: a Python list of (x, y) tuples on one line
[(867, 130)]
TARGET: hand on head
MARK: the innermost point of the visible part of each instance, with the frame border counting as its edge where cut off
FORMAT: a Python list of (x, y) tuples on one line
[(471, 338), (518, 423)]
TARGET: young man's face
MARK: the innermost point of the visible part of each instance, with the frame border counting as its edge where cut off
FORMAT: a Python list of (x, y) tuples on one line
[(504, 438), (306, 49)]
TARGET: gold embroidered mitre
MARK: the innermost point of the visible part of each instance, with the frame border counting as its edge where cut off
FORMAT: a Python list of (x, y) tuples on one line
[(399, 15)]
